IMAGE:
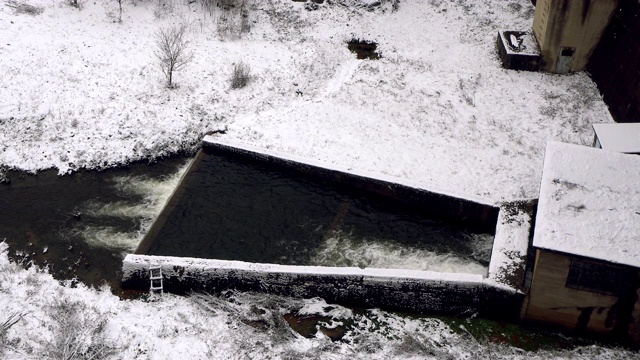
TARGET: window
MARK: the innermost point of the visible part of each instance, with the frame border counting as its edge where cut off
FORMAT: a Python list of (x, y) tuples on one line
[(599, 278), (567, 51)]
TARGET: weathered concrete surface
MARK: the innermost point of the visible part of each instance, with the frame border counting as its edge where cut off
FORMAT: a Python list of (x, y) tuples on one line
[(474, 213), (404, 290), (510, 244), (518, 50), (569, 30)]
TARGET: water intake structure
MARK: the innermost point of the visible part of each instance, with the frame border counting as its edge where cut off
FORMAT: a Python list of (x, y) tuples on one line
[(250, 219)]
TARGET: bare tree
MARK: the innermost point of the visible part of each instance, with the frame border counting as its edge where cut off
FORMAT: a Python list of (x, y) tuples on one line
[(173, 50)]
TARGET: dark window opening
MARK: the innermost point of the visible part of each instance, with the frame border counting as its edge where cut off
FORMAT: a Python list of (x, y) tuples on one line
[(598, 278), (567, 51)]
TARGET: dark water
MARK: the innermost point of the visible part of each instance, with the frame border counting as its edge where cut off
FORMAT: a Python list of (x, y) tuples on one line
[(235, 208), (44, 218), (230, 208)]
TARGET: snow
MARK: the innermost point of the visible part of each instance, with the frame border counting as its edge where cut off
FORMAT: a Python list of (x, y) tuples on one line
[(623, 138), (132, 263), (80, 91), (510, 244), (217, 327), (589, 204)]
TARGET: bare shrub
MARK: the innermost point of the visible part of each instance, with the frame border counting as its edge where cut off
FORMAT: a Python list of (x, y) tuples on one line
[(24, 8), (119, 11), (208, 5), (163, 9), (76, 3), (240, 76), (78, 332), (233, 20), (115, 15), (9, 320), (172, 50), (468, 89)]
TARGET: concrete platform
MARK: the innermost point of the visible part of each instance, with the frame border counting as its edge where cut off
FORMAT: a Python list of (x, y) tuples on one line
[(518, 50)]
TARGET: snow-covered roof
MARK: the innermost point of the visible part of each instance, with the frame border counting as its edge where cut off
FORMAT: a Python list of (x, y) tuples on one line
[(623, 138), (590, 203)]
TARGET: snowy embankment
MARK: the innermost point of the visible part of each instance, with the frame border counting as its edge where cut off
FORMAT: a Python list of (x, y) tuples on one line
[(79, 91), (55, 321)]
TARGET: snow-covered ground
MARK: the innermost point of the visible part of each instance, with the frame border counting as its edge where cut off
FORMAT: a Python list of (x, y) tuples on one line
[(80, 90), (61, 322)]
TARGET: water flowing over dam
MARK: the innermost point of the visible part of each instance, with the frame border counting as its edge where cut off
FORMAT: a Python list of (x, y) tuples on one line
[(231, 206)]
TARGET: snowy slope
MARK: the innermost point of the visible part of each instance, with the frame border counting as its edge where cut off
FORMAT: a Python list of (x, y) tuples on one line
[(79, 90)]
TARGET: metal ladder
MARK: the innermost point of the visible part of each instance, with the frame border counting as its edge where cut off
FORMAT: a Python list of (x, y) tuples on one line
[(155, 278)]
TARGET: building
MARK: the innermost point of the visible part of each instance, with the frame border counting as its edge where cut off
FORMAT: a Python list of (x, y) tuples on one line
[(624, 138), (586, 274), (568, 31)]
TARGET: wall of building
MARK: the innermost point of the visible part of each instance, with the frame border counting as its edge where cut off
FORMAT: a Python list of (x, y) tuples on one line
[(570, 24), (549, 301), (614, 63)]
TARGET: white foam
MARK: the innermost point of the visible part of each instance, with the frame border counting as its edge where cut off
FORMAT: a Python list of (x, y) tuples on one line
[(121, 209), (343, 251), (155, 194), (111, 238)]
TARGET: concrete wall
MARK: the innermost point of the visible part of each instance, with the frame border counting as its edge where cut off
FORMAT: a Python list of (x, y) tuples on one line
[(614, 64), (566, 24), (401, 290), (511, 243), (474, 213), (549, 301)]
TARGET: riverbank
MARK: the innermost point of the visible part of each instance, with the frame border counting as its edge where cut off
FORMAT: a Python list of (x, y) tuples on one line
[(436, 108), (82, 90)]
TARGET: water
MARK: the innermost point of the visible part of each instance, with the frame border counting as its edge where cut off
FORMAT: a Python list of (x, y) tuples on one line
[(79, 226), (344, 250), (233, 208)]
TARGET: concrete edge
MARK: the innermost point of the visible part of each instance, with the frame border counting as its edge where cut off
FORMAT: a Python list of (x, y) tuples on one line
[(400, 290), (239, 146), (511, 241)]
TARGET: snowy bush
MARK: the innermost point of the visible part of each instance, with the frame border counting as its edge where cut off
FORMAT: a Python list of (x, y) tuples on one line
[(78, 4), (172, 50), (233, 20), (240, 76), (78, 332), (24, 8), (6, 322), (163, 9)]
